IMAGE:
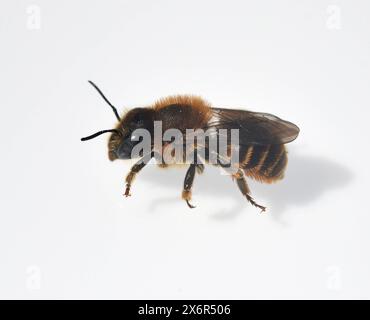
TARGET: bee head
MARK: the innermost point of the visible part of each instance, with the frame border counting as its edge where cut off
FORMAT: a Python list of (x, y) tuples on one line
[(122, 139)]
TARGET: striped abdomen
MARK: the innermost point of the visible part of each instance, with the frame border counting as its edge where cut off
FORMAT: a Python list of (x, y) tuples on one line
[(264, 163)]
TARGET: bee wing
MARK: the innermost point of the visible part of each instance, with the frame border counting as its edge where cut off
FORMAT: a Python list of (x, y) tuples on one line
[(255, 128)]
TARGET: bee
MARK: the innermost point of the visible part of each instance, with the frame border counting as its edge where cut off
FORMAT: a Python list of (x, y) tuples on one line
[(262, 155)]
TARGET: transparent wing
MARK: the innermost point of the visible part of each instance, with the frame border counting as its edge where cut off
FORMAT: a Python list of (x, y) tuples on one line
[(255, 128)]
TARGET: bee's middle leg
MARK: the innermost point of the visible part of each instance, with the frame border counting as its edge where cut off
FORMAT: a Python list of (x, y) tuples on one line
[(243, 187), (188, 182)]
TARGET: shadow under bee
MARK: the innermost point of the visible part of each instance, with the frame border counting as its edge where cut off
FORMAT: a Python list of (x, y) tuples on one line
[(307, 178)]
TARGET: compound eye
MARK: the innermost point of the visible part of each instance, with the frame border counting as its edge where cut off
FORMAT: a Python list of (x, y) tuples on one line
[(136, 123)]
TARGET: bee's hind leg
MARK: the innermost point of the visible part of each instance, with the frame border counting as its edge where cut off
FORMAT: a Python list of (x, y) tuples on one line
[(243, 187)]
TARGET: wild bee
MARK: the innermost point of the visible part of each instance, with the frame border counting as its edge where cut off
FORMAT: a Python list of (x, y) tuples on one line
[(261, 154)]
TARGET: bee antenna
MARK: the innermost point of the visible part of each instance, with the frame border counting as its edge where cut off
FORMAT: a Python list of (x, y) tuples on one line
[(99, 133), (106, 100)]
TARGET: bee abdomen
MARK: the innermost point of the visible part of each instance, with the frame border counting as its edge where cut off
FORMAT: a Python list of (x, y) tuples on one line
[(266, 163)]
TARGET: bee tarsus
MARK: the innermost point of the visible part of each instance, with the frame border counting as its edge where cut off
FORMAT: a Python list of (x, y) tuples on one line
[(190, 205)]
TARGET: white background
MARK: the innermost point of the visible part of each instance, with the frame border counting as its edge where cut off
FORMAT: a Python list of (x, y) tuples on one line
[(66, 231)]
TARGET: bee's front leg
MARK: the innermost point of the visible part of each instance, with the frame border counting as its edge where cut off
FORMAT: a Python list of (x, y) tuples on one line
[(135, 169)]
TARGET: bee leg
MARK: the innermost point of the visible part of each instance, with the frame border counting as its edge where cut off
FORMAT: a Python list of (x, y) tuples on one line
[(188, 183), (243, 187), (135, 169), (200, 168)]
